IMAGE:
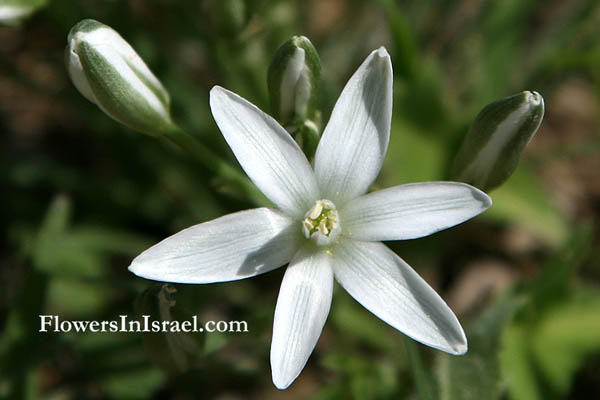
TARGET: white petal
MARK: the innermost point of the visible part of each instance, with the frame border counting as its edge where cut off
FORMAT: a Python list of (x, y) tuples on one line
[(388, 287), (235, 246), (267, 153), (302, 308), (412, 211), (353, 146), (78, 77)]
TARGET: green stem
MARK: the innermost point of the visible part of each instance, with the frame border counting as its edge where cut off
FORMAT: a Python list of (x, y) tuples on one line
[(422, 381), (217, 165)]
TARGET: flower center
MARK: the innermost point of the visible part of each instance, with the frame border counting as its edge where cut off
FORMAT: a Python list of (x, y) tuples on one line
[(321, 222)]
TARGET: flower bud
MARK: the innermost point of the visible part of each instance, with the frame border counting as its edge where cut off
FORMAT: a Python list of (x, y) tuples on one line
[(13, 12), (294, 81), (108, 72), (307, 138), (491, 149)]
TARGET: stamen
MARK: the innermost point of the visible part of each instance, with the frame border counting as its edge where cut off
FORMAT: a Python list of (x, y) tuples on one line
[(321, 222), (316, 210), (323, 229), (306, 228)]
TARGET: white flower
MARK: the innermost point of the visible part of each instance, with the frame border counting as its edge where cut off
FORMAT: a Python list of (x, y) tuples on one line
[(325, 226)]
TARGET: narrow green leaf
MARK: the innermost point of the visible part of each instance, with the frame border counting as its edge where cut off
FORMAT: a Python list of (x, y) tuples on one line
[(565, 337), (517, 367), (555, 329), (476, 375), (423, 381), (75, 298)]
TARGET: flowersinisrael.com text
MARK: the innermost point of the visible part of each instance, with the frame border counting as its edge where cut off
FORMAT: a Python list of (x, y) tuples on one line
[(52, 323)]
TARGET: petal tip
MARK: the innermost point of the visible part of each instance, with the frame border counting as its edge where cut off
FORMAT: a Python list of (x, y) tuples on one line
[(479, 195), (142, 269), (460, 349), (460, 345), (382, 61), (216, 90), (300, 38), (533, 97), (281, 382), (483, 198), (134, 268), (382, 52)]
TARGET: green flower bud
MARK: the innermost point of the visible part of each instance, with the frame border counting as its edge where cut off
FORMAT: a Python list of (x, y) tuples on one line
[(307, 138), (13, 12), (294, 81), (491, 149), (108, 72)]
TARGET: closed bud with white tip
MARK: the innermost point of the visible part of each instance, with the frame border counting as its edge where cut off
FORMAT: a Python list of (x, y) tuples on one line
[(294, 83), (109, 73), (491, 149)]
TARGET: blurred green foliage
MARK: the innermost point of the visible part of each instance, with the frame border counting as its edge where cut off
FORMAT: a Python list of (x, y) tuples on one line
[(83, 195)]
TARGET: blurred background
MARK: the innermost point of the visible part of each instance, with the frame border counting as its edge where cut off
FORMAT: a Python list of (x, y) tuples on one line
[(83, 195)]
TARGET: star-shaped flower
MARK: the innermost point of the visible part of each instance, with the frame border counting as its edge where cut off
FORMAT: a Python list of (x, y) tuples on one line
[(325, 226)]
